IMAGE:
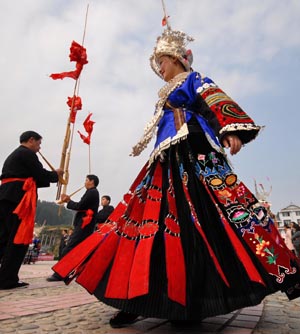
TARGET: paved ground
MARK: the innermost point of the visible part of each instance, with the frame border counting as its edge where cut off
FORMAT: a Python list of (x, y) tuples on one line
[(51, 307)]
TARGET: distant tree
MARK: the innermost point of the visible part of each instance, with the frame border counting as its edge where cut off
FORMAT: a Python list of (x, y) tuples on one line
[(50, 214)]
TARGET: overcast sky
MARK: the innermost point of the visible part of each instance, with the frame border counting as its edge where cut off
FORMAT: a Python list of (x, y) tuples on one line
[(251, 49)]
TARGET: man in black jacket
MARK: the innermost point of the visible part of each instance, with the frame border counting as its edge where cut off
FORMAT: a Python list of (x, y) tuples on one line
[(84, 220), (106, 210), (22, 174)]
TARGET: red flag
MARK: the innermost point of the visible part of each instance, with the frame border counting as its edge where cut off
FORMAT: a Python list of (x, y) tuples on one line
[(72, 74), (75, 104), (88, 124), (86, 139), (78, 54)]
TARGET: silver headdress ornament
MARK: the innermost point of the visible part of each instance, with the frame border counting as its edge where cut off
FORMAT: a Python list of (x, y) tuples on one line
[(171, 43)]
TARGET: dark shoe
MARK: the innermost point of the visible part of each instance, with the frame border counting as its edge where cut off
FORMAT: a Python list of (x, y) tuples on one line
[(122, 319), (54, 278), (15, 286)]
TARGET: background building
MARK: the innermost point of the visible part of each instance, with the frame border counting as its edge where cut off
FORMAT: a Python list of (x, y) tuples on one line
[(287, 215)]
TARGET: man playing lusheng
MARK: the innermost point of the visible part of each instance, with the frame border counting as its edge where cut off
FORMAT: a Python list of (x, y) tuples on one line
[(84, 220), (22, 174)]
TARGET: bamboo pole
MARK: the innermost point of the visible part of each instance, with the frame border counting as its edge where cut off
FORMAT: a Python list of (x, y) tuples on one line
[(68, 140), (73, 193), (61, 180), (90, 159)]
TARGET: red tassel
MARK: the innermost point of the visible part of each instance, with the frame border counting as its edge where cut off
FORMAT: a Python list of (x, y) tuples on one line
[(129, 262), (117, 286), (175, 262), (94, 270), (117, 213), (136, 209), (175, 269), (139, 276), (77, 255)]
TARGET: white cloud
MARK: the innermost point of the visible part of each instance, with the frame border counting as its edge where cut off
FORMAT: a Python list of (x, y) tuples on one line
[(237, 43)]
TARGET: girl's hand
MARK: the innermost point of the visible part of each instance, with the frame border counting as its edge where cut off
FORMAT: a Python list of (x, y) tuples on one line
[(233, 142)]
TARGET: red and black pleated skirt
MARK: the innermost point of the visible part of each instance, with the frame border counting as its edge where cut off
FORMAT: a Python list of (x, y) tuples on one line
[(188, 241)]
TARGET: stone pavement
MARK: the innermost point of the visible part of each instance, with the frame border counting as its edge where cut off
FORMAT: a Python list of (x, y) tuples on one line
[(51, 307)]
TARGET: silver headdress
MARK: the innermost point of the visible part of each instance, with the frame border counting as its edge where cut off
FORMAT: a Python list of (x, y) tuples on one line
[(172, 43)]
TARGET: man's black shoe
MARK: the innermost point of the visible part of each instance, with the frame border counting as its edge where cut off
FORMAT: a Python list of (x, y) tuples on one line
[(122, 319), (15, 286), (54, 278)]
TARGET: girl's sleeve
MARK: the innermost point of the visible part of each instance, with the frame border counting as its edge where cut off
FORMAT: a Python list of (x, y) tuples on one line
[(222, 113)]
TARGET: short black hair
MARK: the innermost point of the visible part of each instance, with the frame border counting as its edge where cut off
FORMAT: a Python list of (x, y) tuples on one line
[(25, 136), (107, 197), (94, 178)]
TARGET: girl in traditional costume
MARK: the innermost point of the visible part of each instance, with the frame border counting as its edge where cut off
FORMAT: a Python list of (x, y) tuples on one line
[(189, 240)]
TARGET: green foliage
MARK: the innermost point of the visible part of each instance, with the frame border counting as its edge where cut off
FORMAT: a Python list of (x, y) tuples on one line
[(51, 214)]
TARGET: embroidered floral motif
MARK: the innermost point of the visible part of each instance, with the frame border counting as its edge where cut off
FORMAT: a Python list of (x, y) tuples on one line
[(201, 157), (213, 158), (262, 249)]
